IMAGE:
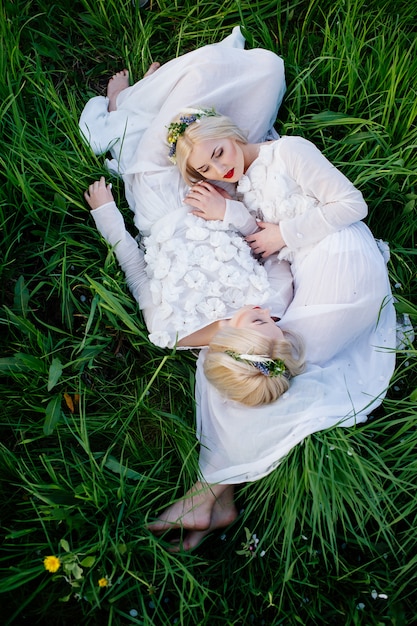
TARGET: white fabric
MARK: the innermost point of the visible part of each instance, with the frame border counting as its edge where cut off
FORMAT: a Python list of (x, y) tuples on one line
[(247, 85), (198, 272), (293, 184), (340, 282), (343, 310)]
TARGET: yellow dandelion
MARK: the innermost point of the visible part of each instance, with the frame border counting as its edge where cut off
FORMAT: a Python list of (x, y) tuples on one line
[(52, 563), (103, 582)]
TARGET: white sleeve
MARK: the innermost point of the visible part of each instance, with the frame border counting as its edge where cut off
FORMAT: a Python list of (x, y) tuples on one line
[(110, 224), (339, 203), (238, 216)]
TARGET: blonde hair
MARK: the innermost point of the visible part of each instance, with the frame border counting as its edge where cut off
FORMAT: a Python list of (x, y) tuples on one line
[(240, 380), (215, 126)]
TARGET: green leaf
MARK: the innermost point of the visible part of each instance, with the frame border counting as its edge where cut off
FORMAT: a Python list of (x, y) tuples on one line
[(115, 466), (53, 415), (64, 545), (21, 297), (21, 362), (413, 396), (55, 372), (88, 561)]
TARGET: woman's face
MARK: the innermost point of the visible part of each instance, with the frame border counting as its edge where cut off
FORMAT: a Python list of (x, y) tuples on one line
[(255, 318), (218, 159)]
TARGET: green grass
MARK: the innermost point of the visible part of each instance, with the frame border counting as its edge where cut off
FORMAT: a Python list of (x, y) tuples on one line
[(97, 425)]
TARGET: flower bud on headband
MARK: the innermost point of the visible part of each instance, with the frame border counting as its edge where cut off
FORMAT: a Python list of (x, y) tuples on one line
[(176, 129), (266, 365)]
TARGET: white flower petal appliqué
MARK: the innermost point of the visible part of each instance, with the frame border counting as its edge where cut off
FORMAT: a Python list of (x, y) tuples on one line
[(197, 233), (230, 276), (226, 253), (164, 232), (219, 238), (161, 339), (195, 279), (243, 185), (235, 298), (161, 267), (213, 309), (171, 291)]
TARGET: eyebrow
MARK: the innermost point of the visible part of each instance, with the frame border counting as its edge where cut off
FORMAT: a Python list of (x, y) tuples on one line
[(205, 165)]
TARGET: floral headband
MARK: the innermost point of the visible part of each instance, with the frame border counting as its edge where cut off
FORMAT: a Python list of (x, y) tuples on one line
[(266, 365), (176, 129)]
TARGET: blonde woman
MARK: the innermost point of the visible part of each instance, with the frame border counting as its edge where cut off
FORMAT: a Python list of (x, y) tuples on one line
[(349, 345)]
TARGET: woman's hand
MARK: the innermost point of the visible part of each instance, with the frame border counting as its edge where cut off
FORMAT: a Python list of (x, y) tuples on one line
[(98, 194), (209, 201), (266, 241)]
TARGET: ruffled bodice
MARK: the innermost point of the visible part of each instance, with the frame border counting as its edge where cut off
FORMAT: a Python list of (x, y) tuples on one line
[(199, 272), (267, 191)]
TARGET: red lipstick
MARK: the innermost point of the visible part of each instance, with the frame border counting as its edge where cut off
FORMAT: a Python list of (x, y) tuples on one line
[(229, 173)]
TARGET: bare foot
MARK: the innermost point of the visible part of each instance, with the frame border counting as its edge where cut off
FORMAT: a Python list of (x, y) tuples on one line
[(152, 68), (193, 511), (224, 512), (116, 84)]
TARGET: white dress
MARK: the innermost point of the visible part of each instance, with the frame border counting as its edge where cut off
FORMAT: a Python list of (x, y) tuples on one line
[(342, 304), (198, 272), (342, 308)]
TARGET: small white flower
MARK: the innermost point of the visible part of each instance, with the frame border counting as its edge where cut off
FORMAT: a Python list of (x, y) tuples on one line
[(213, 308), (171, 291), (226, 253), (197, 233), (360, 606), (234, 297), (164, 233), (161, 267), (243, 185), (219, 238), (195, 279), (232, 277)]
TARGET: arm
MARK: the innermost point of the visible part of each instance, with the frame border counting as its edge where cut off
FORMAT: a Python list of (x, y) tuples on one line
[(338, 202), (214, 203), (110, 224)]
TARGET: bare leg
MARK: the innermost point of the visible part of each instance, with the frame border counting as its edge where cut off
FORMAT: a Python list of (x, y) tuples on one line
[(152, 68), (120, 81), (116, 84), (193, 511)]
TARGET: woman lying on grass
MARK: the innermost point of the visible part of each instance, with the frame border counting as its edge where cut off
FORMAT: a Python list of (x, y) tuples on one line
[(341, 307)]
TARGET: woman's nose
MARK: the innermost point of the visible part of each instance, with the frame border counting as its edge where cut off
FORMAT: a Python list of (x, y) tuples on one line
[(219, 169)]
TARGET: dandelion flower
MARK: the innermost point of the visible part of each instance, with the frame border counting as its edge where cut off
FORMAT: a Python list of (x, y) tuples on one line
[(103, 582), (52, 564)]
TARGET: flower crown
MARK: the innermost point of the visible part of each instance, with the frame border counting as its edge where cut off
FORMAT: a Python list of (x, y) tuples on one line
[(176, 129), (266, 365)]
